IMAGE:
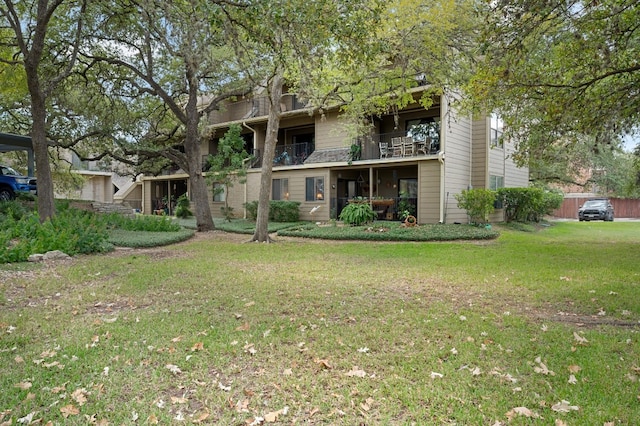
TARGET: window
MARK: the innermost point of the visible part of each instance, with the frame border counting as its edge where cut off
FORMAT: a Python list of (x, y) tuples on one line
[(219, 194), (496, 182), (314, 189), (423, 129), (496, 132), (280, 189)]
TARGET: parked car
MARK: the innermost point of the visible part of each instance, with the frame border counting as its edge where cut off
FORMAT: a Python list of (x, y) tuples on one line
[(12, 183), (597, 209)]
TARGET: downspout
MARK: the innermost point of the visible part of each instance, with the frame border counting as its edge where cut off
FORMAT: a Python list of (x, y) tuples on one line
[(441, 158), (244, 204)]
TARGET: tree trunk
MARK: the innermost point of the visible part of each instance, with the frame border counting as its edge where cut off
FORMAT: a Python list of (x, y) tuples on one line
[(199, 193), (273, 124), (46, 206)]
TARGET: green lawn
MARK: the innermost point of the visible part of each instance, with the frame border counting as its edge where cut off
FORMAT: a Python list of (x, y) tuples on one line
[(217, 331)]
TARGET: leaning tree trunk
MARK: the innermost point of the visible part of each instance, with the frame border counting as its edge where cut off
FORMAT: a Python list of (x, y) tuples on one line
[(273, 124)]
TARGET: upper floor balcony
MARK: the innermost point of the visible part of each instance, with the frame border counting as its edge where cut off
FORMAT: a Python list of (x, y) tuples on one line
[(250, 107)]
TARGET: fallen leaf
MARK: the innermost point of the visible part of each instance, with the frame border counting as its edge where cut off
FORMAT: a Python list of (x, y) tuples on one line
[(23, 385), (572, 379), (28, 419), (201, 417), (197, 347), (355, 372), (248, 304), (178, 400), (69, 410), (435, 375), (80, 396), (564, 407), (18, 359), (560, 423), (152, 419), (574, 368), (243, 327), (173, 368), (176, 339), (323, 363), (579, 338), (521, 411)]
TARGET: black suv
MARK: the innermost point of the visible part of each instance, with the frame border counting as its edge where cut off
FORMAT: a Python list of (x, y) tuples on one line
[(596, 209)]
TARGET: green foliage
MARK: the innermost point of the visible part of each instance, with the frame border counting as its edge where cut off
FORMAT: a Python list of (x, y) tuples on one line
[(141, 223), (76, 231), (136, 239), (478, 202), (559, 73), (227, 213), (71, 231), (279, 210), (528, 204), (227, 166), (182, 207), (405, 207), (391, 231), (357, 214)]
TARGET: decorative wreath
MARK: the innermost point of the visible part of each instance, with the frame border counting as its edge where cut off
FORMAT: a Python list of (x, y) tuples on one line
[(410, 221)]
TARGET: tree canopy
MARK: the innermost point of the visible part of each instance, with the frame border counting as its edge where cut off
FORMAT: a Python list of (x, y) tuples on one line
[(560, 72)]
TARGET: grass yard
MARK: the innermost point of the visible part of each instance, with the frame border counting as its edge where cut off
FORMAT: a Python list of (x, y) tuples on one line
[(530, 328)]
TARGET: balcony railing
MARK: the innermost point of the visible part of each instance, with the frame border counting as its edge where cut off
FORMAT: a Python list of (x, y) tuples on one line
[(294, 154), (380, 146)]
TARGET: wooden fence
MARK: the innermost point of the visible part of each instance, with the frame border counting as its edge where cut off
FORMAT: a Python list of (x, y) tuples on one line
[(622, 207)]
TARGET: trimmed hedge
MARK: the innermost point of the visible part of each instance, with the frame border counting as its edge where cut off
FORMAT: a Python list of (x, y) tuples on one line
[(279, 210), (528, 204)]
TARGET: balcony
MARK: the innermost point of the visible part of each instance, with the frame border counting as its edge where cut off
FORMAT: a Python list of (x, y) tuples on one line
[(396, 145), (251, 107), (291, 155)]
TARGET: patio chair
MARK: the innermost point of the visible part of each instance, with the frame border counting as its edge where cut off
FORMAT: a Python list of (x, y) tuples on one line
[(408, 146), (397, 149), (424, 146), (384, 150)]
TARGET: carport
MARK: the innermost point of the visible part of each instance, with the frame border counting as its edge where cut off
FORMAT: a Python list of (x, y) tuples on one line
[(10, 142)]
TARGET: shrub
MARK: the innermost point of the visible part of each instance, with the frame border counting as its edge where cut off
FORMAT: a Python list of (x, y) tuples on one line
[(528, 204), (357, 214), (279, 210), (284, 211), (478, 202), (182, 207)]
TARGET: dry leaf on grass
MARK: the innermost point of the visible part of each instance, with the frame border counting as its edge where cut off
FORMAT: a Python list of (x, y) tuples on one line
[(564, 407), (323, 363), (581, 340), (173, 368), (69, 410), (521, 411), (356, 372), (80, 396), (23, 385)]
